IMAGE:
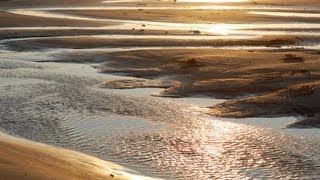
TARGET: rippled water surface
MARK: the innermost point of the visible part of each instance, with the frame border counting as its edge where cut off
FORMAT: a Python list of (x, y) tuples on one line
[(58, 104), (62, 104)]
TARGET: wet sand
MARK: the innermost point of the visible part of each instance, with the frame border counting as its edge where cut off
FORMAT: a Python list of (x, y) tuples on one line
[(144, 41), (23, 3), (190, 16), (263, 88), (13, 20), (62, 104), (258, 63)]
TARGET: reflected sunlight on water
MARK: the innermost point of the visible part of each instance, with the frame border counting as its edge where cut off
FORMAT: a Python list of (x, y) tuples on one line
[(212, 1), (222, 29), (212, 149), (193, 1), (286, 14), (163, 138), (159, 137)]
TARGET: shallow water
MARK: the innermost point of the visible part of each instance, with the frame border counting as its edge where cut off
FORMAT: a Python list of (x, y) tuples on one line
[(156, 136), (62, 104)]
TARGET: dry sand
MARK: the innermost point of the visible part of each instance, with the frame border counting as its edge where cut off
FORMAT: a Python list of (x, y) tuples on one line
[(23, 159)]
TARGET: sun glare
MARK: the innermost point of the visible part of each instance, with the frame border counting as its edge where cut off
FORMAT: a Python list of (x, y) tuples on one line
[(220, 29), (212, 1)]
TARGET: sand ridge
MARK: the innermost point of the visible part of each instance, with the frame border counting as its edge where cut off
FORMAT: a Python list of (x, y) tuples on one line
[(23, 159)]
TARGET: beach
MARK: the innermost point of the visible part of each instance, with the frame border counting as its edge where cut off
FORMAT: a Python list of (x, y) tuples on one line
[(23, 159), (165, 89)]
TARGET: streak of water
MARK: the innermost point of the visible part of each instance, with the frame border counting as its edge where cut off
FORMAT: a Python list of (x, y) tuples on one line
[(228, 30), (286, 14), (133, 37)]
